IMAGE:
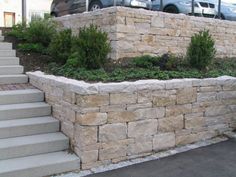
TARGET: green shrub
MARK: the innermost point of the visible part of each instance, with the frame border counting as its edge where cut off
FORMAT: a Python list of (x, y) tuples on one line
[(40, 31), (31, 47), (18, 31), (145, 61), (90, 48), (60, 46), (201, 50)]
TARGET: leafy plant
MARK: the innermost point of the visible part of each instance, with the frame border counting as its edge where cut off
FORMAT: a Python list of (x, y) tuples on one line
[(201, 50), (90, 48), (60, 46), (31, 47), (18, 31), (40, 31), (145, 61)]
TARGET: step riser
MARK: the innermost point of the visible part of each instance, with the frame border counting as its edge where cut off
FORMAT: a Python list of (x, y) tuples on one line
[(8, 62), (21, 97), (24, 113), (13, 79), (11, 70), (25, 130), (7, 53), (5, 46), (1, 38), (33, 149)]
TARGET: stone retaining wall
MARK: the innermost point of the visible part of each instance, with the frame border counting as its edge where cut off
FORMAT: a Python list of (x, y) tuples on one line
[(111, 122), (135, 32)]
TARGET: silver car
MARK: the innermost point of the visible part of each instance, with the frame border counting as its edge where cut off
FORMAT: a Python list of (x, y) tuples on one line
[(201, 7)]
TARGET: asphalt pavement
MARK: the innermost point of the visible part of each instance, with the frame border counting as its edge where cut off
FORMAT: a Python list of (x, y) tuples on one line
[(218, 160)]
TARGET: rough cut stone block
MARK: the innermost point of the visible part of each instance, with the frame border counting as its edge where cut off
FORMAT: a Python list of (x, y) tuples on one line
[(113, 108), (164, 100), (216, 110), (87, 156), (112, 132), (123, 98), (142, 128), (226, 95), (206, 96), (133, 107), (194, 120), (145, 96), (85, 135), (92, 100), (186, 95), (149, 113), (141, 145), (178, 83), (170, 124), (157, 22), (163, 141), (91, 118), (68, 129), (121, 117), (178, 109)]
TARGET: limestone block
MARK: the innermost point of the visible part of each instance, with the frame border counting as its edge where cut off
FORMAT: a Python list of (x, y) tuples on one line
[(112, 132), (216, 110), (170, 124), (121, 117), (112, 151), (123, 98), (142, 128), (163, 141), (226, 95), (164, 100), (210, 88), (92, 100), (179, 83), (69, 97), (85, 135), (206, 96), (149, 113), (113, 108), (178, 109), (145, 96), (68, 129), (133, 107), (91, 118), (186, 95), (141, 145), (157, 21), (194, 120), (87, 156)]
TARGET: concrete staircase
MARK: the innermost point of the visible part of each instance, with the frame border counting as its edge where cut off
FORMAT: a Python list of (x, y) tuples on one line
[(30, 142)]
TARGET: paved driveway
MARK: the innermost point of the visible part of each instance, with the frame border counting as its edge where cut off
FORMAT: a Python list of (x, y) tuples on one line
[(217, 160)]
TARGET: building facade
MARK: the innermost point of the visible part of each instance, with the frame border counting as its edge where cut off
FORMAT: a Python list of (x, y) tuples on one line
[(11, 11)]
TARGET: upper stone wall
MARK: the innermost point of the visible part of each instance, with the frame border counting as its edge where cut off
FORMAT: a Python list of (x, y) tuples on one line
[(135, 32)]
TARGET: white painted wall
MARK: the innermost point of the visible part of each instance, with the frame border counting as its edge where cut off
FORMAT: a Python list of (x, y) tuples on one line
[(33, 6)]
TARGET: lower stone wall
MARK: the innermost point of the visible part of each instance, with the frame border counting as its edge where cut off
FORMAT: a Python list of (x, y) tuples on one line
[(111, 122)]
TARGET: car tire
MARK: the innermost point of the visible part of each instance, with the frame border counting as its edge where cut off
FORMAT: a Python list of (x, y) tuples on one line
[(171, 9), (53, 14), (95, 5)]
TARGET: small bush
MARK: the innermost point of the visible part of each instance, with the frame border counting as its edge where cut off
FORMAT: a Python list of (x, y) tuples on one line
[(18, 31), (31, 47), (145, 61), (60, 46), (40, 31), (201, 50), (90, 48)]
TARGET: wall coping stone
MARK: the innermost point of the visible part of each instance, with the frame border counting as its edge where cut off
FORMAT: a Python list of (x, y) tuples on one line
[(84, 88)]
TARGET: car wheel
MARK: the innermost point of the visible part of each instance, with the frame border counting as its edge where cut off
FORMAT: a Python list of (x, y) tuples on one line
[(95, 5), (171, 9), (53, 14)]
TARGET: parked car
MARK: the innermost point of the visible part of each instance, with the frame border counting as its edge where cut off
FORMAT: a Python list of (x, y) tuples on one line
[(228, 11), (201, 7), (64, 7)]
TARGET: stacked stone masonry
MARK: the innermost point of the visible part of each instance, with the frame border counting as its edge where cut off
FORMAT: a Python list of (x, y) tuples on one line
[(112, 122), (135, 32)]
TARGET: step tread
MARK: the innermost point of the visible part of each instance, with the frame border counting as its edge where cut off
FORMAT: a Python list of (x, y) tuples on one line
[(12, 66), (13, 78), (11, 69), (8, 58), (23, 106), (33, 139), (19, 92), (30, 163), (27, 121)]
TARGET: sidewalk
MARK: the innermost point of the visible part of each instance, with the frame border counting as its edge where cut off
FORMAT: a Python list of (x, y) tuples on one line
[(218, 160)]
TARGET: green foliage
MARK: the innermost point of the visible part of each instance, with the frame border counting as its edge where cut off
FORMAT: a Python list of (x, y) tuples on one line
[(18, 31), (145, 61), (90, 48), (60, 46), (201, 50), (31, 47), (40, 31)]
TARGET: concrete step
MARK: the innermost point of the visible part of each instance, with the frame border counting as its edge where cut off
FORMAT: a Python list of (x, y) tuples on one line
[(32, 145), (7, 53), (13, 79), (1, 38), (21, 96), (39, 165), (24, 110), (28, 126), (5, 46), (9, 70), (6, 61)]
